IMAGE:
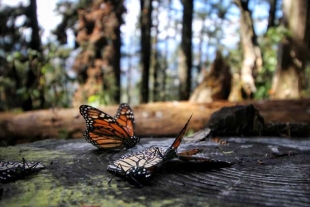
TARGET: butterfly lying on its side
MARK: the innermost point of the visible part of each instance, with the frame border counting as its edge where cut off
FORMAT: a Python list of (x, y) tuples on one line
[(138, 167), (106, 132), (11, 171)]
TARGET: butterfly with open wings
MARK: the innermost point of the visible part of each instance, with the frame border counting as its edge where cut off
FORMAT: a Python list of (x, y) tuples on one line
[(106, 132)]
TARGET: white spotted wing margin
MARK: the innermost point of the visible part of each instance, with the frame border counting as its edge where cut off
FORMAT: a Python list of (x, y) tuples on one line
[(138, 167), (11, 171), (106, 132)]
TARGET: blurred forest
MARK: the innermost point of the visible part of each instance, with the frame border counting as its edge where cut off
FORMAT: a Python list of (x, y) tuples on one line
[(195, 50)]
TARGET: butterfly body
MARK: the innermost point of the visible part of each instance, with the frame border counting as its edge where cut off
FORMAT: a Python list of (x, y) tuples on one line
[(138, 167), (107, 132), (11, 171)]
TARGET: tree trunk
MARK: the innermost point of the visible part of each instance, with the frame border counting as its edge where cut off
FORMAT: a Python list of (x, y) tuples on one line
[(146, 24), (216, 84), (34, 72), (203, 33), (163, 83), (289, 78), (35, 43), (129, 87), (155, 67), (117, 49), (272, 13), (98, 64), (252, 59), (186, 50)]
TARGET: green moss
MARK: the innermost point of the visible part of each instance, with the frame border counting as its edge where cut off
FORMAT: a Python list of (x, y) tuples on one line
[(30, 154), (52, 186), (53, 193), (31, 192)]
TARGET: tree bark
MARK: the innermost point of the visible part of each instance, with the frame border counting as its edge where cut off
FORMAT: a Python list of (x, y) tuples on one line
[(265, 172), (98, 63), (272, 13), (185, 67), (289, 78), (146, 24), (216, 85), (163, 83), (119, 10), (155, 67), (252, 59), (34, 72)]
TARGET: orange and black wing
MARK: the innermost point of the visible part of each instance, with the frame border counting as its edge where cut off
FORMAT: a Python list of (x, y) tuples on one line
[(171, 152), (124, 116), (179, 138), (102, 130)]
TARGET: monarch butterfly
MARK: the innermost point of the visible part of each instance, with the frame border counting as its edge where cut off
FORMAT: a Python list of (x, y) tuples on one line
[(11, 171), (106, 132), (171, 152), (138, 167)]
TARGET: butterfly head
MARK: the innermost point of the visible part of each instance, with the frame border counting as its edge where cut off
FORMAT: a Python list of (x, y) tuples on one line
[(131, 142), (170, 153)]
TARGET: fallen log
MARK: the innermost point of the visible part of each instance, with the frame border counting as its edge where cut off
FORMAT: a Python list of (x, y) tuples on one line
[(266, 172), (153, 119)]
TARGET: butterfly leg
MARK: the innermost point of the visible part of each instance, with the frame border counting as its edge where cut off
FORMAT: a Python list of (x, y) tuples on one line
[(109, 182), (136, 181), (24, 163), (158, 151)]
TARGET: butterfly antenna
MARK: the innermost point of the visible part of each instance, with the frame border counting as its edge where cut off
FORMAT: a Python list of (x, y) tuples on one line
[(140, 144), (109, 182)]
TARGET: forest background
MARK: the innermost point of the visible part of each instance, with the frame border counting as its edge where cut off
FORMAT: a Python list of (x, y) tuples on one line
[(106, 52)]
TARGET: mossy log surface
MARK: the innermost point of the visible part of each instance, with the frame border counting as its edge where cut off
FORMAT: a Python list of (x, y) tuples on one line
[(266, 172)]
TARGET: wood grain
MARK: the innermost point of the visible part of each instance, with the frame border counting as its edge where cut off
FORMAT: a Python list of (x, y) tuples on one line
[(76, 174)]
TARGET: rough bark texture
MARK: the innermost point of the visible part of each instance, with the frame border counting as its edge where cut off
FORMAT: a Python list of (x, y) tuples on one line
[(169, 117), (252, 59), (289, 78), (216, 84), (98, 63), (185, 62), (266, 172), (146, 24)]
